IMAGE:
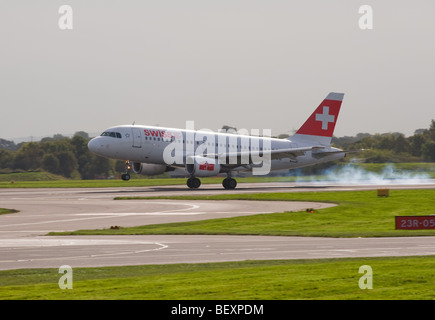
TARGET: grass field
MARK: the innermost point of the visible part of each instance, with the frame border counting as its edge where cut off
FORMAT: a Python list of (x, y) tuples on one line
[(7, 211), (48, 180), (29, 176), (393, 278), (112, 183), (358, 214)]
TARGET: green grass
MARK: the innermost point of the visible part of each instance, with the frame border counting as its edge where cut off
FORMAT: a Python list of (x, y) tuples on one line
[(89, 183), (112, 183), (393, 278), (10, 178), (358, 214), (7, 211), (48, 180), (411, 167)]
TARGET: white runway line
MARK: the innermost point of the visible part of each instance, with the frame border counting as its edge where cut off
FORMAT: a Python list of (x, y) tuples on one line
[(47, 243), (114, 214)]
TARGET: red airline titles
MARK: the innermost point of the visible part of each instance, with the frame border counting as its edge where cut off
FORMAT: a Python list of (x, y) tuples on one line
[(159, 133)]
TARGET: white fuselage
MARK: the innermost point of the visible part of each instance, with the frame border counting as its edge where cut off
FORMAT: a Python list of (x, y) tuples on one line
[(148, 144)]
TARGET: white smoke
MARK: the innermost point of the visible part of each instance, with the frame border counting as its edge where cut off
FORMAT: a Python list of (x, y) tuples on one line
[(351, 174)]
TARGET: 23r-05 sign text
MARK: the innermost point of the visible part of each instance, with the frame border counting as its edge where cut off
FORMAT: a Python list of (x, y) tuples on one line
[(415, 222)]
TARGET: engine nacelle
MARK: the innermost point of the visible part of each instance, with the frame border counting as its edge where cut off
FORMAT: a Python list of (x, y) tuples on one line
[(149, 169), (203, 167)]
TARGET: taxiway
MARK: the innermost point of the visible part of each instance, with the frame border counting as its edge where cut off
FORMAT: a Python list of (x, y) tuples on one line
[(23, 243)]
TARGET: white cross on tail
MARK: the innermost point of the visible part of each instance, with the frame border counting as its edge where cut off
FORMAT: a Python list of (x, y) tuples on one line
[(325, 118)]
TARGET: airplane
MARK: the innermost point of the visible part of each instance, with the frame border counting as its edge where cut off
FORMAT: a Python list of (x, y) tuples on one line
[(152, 150)]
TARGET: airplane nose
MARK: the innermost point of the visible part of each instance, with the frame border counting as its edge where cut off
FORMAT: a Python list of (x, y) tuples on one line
[(94, 145)]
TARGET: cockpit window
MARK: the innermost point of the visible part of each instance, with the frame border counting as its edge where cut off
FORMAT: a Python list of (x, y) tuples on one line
[(111, 134)]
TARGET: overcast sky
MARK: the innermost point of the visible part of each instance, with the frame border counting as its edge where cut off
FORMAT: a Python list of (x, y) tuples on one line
[(253, 64)]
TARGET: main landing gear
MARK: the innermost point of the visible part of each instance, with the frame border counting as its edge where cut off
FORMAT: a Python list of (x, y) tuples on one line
[(126, 175), (193, 183), (228, 183)]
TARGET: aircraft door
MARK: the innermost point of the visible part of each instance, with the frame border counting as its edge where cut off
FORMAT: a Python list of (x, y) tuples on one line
[(137, 137)]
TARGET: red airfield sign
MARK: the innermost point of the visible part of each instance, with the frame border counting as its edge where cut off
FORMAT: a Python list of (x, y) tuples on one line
[(415, 222)]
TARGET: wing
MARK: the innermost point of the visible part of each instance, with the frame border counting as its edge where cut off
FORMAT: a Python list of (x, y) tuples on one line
[(323, 153), (291, 153), (234, 159)]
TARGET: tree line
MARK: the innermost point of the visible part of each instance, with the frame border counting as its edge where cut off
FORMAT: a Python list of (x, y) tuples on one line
[(70, 157), (393, 147)]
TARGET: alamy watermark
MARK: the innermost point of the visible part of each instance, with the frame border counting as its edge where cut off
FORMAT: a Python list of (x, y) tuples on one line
[(365, 22), (66, 280), (65, 21), (366, 281), (192, 147)]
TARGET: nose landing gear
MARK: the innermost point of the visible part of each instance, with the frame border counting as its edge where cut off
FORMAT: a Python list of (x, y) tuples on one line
[(126, 175)]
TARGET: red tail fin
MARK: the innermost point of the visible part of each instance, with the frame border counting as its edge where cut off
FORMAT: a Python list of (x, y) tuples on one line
[(322, 121)]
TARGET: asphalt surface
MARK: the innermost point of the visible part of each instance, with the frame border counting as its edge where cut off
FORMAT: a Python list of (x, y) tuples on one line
[(23, 244)]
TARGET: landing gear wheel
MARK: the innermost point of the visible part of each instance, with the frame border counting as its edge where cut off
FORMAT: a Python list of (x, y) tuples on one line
[(126, 176), (229, 183), (193, 183)]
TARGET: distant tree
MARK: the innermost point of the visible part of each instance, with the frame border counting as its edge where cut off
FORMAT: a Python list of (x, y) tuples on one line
[(416, 143), (55, 146), (420, 131), (28, 157), (47, 139), (84, 166), (400, 144), (67, 163), (6, 159), (385, 141), (344, 142), (55, 137), (119, 166), (82, 134), (432, 130), (428, 150), (8, 145), (51, 163), (58, 136), (96, 166), (80, 145)]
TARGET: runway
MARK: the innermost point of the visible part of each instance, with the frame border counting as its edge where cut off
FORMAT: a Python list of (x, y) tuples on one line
[(23, 244)]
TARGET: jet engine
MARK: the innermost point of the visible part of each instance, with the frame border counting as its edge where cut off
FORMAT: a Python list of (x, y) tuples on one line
[(150, 169), (203, 167)]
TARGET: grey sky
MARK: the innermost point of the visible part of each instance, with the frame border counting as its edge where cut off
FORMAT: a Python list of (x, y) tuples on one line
[(249, 64)]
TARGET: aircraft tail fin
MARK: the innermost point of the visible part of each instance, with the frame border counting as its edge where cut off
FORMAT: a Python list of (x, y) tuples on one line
[(320, 126)]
